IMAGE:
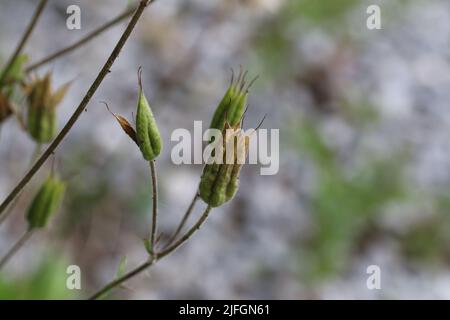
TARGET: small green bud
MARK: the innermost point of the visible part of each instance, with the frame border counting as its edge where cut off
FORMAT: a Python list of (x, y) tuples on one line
[(42, 103), (147, 133), (46, 202)]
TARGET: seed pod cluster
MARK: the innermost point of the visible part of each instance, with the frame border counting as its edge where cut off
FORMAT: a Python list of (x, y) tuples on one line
[(232, 106), (46, 202), (42, 103), (146, 135), (220, 181)]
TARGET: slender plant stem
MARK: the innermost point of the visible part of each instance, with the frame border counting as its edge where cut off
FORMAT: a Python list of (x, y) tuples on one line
[(183, 220), (10, 209), (153, 259), (93, 34), (187, 235), (23, 41), (122, 279), (79, 110), (16, 247), (154, 228)]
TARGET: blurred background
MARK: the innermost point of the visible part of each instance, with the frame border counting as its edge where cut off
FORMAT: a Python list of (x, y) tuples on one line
[(364, 173)]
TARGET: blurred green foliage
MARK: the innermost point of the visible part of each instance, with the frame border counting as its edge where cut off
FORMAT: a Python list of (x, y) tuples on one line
[(48, 281), (276, 41), (428, 241), (319, 12), (82, 201), (343, 204)]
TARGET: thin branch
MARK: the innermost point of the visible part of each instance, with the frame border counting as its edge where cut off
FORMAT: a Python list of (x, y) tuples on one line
[(23, 41), (22, 240), (187, 235), (154, 205), (79, 110), (154, 258), (184, 219), (82, 41)]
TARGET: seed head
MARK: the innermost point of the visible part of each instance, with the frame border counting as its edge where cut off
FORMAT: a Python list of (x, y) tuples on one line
[(232, 106), (220, 181), (42, 104), (147, 133), (46, 202)]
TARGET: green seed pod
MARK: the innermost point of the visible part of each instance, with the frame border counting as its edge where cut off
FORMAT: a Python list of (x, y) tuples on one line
[(232, 106), (214, 184), (147, 133), (218, 120), (42, 103), (220, 181), (46, 202)]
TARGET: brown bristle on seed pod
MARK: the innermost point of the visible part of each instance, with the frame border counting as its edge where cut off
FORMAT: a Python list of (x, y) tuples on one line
[(126, 126)]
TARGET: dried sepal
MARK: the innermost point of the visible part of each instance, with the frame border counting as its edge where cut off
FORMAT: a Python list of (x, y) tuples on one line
[(126, 126), (59, 94)]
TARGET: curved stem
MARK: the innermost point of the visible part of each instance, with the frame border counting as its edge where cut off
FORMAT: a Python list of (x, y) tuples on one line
[(79, 110), (187, 235), (154, 258), (81, 42), (154, 205), (23, 41), (16, 247), (184, 219)]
